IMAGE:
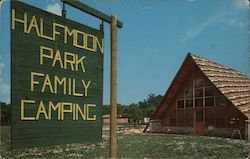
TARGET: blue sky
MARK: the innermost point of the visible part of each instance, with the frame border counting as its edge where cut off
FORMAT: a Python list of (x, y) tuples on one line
[(154, 41)]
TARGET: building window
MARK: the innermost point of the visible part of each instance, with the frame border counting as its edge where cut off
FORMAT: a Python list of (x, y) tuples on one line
[(189, 103), (199, 102), (199, 92), (209, 102), (209, 91), (180, 104), (198, 83), (201, 96), (220, 101), (189, 93)]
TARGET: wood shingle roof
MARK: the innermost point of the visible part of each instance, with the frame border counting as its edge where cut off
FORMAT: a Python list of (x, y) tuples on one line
[(231, 83)]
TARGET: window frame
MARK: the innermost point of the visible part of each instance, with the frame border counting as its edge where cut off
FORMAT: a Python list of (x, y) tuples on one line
[(177, 103), (202, 83), (192, 90), (213, 98)]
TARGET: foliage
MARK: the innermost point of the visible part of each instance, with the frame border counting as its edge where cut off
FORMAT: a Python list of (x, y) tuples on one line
[(136, 112), (5, 113)]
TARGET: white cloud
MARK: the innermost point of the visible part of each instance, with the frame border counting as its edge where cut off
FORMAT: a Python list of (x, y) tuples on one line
[(241, 3), (196, 30), (232, 22), (55, 8), (226, 18), (4, 91), (1, 1), (4, 88), (1, 4), (1, 66)]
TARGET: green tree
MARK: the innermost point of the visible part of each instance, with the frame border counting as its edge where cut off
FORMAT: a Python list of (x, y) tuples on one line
[(136, 112), (5, 113), (150, 104)]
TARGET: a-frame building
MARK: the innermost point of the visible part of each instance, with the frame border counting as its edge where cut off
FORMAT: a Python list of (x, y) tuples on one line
[(204, 98)]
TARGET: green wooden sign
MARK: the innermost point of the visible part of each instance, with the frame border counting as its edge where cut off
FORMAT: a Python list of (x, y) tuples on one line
[(56, 79)]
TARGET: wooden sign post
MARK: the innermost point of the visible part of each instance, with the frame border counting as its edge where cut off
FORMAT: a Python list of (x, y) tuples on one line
[(113, 72), (113, 90)]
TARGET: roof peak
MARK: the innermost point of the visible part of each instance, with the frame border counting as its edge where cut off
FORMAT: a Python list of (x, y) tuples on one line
[(197, 59)]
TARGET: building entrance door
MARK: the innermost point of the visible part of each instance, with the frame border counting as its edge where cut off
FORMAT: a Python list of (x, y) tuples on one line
[(199, 122)]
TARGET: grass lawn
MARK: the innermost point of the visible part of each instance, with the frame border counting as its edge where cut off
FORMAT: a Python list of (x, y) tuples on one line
[(137, 146)]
